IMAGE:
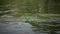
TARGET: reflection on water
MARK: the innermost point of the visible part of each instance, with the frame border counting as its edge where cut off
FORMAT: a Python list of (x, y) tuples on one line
[(21, 26), (15, 28)]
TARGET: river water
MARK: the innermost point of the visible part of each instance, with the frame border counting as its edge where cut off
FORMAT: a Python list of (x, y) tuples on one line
[(19, 26), (31, 25)]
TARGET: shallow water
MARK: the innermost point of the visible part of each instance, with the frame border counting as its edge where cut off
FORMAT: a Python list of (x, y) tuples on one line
[(19, 26)]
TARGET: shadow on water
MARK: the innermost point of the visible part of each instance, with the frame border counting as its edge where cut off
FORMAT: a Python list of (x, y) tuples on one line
[(50, 26)]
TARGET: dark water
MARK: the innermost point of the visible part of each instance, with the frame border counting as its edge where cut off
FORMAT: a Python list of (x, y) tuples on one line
[(19, 26)]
